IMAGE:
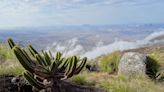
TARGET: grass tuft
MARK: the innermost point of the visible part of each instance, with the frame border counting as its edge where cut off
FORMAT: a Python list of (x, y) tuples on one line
[(8, 63), (109, 63)]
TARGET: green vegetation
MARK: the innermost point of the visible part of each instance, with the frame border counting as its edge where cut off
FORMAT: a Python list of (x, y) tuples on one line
[(152, 67), (81, 79), (115, 83), (137, 84), (44, 67), (8, 62), (5, 53), (109, 63), (103, 79), (158, 56)]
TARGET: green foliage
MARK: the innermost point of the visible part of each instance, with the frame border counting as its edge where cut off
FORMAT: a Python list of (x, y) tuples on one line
[(115, 88), (158, 57), (109, 63), (11, 68), (46, 67), (30, 78), (8, 62), (81, 80), (152, 67), (5, 52), (136, 84), (160, 75)]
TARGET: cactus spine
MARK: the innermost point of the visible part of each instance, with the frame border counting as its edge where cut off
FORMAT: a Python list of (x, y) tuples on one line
[(45, 66)]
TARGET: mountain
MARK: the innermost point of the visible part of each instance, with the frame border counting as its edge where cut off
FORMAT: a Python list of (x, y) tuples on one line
[(88, 40)]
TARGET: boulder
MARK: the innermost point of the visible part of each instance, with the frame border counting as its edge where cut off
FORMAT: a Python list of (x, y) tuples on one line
[(132, 64)]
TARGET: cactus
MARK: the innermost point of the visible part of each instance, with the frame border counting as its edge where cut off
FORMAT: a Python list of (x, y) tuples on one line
[(46, 67)]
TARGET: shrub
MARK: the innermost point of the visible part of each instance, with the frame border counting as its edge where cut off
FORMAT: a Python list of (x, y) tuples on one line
[(158, 57), (109, 63), (152, 67), (81, 80)]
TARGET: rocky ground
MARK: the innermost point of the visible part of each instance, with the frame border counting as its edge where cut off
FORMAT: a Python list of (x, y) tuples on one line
[(10, 83)]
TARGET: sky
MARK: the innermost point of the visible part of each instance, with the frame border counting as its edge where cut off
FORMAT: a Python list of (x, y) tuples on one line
[(36, 13)]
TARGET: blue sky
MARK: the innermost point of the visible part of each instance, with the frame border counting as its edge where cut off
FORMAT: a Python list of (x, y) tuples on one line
[(35, 13)]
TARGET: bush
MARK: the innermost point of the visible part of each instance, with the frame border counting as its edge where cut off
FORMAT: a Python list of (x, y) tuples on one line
[(158, 57), (109, 63), (152, 67), (81, 80)]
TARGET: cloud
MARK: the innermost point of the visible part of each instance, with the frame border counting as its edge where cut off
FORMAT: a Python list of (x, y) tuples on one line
[(125, 45), (30, 6), (16, 13)]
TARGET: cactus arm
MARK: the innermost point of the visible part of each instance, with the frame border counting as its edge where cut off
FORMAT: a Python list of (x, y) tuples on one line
[(73, 67), (40, 60), (36, 55), (59, 62), (32, 62), (63, 65), (50, 54), (41, 71), (68, 68), (32, 50), (22, 59), (11, 43), (47, 58), (53, 66), (58, 55), (81, 66), (28, 76)]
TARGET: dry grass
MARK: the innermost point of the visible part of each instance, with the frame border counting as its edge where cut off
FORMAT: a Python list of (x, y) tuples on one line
[(8, 62), (109, 63), (114, 83)]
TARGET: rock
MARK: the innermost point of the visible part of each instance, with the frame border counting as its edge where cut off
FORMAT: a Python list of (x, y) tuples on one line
[(14, 84), (92, 68), (132, 64)]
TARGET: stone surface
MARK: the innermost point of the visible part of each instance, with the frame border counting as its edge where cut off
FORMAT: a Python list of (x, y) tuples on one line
[(132, 64)]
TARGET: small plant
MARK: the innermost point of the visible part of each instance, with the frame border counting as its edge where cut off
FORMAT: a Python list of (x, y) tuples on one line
[(152, 67), (160, 75), (81, 80), (109, 63), (45, 71)]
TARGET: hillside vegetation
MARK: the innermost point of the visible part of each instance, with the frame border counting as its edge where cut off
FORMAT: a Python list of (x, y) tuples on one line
[(106, 78), (8, 62)]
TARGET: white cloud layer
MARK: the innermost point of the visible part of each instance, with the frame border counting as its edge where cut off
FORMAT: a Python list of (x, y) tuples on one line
[(20, 13), (30, 6)]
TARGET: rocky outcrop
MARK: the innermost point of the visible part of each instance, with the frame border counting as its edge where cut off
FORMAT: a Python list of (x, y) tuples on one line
[(132, 64)]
